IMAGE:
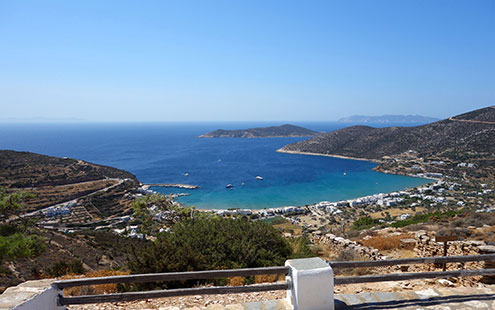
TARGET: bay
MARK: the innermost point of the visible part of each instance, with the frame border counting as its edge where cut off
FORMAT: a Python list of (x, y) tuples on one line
[(173, 153)]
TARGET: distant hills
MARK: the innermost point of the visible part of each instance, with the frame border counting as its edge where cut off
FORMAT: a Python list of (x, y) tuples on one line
[(389, 119), (263, 132), (472, 132)]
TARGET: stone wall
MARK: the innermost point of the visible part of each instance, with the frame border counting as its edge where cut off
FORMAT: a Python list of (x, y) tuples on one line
[(339, 243)]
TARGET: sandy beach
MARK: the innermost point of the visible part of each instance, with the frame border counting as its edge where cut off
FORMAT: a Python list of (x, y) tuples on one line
[(328, 155)]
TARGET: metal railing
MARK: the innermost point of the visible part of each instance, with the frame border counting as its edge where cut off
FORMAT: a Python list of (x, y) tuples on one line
[(413, 275), (170, 276), (215, 274)]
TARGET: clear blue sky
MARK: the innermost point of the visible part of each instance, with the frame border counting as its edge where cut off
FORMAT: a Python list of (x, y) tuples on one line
[(244, 60)]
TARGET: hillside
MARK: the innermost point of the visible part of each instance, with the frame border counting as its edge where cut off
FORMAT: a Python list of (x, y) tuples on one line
[(388, 119), (453, 137), (95, 250), (94, 192), (262, 132), (53, 180), (25, 169)]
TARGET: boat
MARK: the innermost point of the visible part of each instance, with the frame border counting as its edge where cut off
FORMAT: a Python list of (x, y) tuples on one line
[(345, 173), (259, 178), (229, 186), (186, 174), (243, 183)]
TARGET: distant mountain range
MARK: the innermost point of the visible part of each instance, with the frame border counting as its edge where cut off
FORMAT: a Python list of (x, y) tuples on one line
[(389, 119), (466, 134), (263, 132)]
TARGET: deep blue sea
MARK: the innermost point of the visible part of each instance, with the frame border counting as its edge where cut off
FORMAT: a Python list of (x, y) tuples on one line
[(165, 152)]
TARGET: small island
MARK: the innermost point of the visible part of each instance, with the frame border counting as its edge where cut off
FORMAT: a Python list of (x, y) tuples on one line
[(263, 132)]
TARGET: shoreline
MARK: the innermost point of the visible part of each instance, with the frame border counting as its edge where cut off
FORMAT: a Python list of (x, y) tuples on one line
[(429, 179), (281, 150), (176, 185)]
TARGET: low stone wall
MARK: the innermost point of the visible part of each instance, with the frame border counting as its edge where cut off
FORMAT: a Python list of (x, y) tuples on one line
[(339, 244), (31, 295), (426, 246)]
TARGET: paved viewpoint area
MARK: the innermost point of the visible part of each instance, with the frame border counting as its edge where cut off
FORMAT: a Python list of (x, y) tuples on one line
[(463, 298)]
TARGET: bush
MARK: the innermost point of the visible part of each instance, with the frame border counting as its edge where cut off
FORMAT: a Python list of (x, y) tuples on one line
[(365, 223), (300, 247), (62, 268), (423, 218), (19, 245), (351, 255), (213, 243), (94, 289)]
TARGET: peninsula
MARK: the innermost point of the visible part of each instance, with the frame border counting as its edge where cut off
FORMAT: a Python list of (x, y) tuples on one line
[(453, 138), (263, 132)]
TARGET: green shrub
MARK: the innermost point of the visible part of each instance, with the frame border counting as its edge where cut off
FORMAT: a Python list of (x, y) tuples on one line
[(365, 223), (300, 247), (19, 245), (423, 218), (214, 243)]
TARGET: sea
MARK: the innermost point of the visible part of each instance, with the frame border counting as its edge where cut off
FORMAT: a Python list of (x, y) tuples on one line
[(173, 153)]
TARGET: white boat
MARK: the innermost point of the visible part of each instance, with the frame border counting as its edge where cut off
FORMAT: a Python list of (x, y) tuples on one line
[(259, 177), (229, 186), (186, 174)]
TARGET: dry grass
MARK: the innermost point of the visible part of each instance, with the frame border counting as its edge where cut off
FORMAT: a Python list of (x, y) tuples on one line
[(385, 243), (268, 278), (48, 195), (289, 227), (396, 212), (236, 281), (263, 278), (93, 289)]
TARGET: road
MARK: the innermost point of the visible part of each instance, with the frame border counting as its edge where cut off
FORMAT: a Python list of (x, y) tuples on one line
[(65, 203)]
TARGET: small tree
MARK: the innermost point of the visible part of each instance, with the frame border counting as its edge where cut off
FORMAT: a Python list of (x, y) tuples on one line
[(11, 202)]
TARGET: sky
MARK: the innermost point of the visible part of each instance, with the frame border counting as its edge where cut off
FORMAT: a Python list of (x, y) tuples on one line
[(138, 61)]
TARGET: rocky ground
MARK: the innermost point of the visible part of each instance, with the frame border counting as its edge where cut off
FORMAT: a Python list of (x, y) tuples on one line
[(192, 302)]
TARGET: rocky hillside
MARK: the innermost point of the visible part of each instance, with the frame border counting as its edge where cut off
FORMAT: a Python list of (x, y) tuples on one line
[(95, 250), (25, 169), (459, 135), (262, 132), (389, 119), (55, 180)]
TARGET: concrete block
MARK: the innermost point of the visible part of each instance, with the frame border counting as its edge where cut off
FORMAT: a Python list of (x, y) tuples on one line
[(31, 295), (311, 284)]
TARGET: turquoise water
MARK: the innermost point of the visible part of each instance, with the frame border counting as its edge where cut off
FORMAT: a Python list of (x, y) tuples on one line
[(328, 182), (164, 153)]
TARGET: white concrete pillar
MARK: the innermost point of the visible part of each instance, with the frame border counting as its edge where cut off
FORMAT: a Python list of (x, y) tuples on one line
[(310, 284), (31, 295)]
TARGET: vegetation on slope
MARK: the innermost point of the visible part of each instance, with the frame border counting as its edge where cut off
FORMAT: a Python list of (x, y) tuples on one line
[(216, 243)]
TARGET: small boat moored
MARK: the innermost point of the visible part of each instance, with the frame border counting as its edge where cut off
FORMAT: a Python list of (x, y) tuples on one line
[(259, 177), (229, 186)]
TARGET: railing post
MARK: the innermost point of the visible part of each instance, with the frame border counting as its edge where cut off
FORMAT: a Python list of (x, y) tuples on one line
[(310, 284), (488, 249)]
